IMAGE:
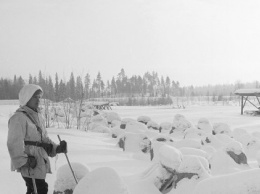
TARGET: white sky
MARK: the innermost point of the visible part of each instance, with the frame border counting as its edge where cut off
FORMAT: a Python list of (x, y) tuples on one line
[(195, 42)]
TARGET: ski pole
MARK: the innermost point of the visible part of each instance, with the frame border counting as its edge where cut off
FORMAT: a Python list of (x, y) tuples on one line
[(34, 186), (69, 164)]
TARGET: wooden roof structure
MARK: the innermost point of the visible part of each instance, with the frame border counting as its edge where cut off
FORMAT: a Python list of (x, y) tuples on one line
[(100, 105), (245, 93)]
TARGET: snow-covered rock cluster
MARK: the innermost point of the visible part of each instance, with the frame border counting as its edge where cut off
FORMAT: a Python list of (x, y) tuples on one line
[(184, 154), (185, 158)]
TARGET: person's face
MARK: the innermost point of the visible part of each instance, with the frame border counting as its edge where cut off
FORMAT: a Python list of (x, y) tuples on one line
[(35, 100)]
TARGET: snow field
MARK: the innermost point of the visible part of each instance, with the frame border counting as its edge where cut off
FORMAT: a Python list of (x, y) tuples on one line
[(185, 160)]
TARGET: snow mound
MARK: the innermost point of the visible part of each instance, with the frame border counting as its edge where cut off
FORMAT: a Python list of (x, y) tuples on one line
[(235, 147), (143, 187), (194, 151), (244, 182), (256, 134), (165, 126), (180, 123), (191, 143), (192, 133), (152, 125), (99, 119), (213, 141), (162, 138), (124, 121), (143, 119), (205, 126), (111, 116), (134, 142), (136, 127), (99, 128), (224, 138), (238, 133), (258, 158), (170, 156), (65, 179), (192, 170), (103, 180), (115, 123), (221, 128), (117, 131), (228, 159)]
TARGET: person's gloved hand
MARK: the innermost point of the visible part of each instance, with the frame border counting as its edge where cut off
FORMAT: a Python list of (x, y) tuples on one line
[(31, 162), (48, 148), (62, 148)]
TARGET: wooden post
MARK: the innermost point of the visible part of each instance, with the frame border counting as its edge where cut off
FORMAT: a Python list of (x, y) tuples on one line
[(242, 104)]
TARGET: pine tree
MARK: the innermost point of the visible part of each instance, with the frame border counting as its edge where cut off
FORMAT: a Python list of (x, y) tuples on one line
[(56, 91), (79, 88), (98, 82), (87, 85), (113, 86), (71, 87), (51, 93)]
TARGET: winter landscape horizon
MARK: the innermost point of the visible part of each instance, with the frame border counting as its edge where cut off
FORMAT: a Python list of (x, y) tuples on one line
[(96, 155), (169, 71)]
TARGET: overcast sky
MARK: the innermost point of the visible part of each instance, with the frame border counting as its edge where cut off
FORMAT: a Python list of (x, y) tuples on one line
[(195, 42)]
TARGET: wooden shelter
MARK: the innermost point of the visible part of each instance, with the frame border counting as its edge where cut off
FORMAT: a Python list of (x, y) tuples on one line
[(102, 105), (245, 94)]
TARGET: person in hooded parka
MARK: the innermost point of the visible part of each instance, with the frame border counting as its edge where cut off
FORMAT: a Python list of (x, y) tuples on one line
[(28, 143)]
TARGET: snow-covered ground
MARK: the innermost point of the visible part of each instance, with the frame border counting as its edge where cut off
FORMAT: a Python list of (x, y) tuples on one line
[(98, 150)]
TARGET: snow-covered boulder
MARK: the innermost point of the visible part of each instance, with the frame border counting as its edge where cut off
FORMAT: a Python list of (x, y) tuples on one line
[(221, 128), (165, 127), (135, 127), (191, 143), (115, 123), (256, 134), (65, 181), (239, 133), (213, 141), (152, 125), (258, 158), (111, 116), (104, 180), (99, 119), (175, 173), (209, 149), (252, 147), (124, 122), (143, 119), (86, 113), (192, 133), (191, 171), (143, 187), (151, 133), (170, 159), (228, 159), (243, 182), (162, 138), (180, 123), (205, 126), (224, 138), (99, 128), (116, 131), (137, 143), (194, 151)]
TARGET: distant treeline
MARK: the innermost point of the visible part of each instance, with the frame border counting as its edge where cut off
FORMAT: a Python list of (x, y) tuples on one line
[(120, 86)]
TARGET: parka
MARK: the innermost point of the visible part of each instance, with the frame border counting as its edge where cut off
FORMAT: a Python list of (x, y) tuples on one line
[(21, 129)]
